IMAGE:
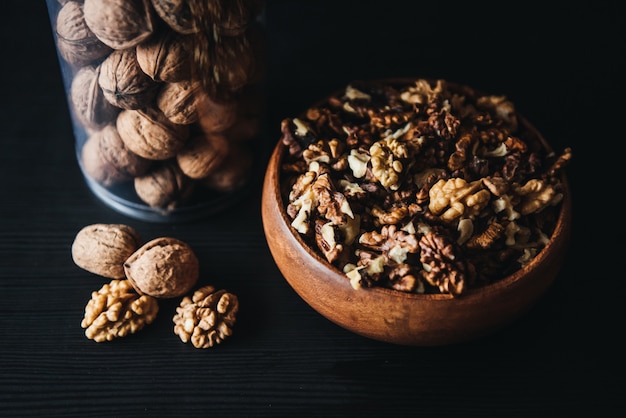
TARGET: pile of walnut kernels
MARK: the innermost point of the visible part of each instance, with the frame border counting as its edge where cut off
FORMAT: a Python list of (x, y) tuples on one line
[(420, 186)]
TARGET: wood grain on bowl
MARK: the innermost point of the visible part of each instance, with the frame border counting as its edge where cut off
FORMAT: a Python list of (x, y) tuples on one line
[(408, 318)]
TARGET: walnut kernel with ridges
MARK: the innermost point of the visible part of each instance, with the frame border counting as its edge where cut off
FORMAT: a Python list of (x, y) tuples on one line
[(116, 310), (207, 318)]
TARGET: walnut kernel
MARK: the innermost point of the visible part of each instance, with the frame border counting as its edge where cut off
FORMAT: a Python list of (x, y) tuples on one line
[(116, 310), (207, 318)]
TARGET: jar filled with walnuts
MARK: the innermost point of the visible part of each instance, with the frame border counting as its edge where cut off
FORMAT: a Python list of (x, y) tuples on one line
[(166, 99)]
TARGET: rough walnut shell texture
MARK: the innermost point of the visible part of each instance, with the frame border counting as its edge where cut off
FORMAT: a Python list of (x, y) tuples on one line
[(90, 106), (179, 101), (116, 310), (102, 249), (163, 268), (76, 43), (106, 158), (124, 83), (165, 57), (202, 154), (150, 134), (120, 24), (177, 15), (164, 187), (234, 171), (215, 116)]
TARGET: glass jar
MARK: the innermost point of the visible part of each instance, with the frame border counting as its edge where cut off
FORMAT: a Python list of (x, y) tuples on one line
[(166, 99)]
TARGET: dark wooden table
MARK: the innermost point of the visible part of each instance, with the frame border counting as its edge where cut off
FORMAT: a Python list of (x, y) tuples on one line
[(565, 356)]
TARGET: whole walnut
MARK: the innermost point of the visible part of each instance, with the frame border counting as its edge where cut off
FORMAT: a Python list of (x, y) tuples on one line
[(124, 83), (179, 101), (163, 268), (76, 43), (234, 171), (150, 134), (213, 115), (90, 106), (164, 187), (102, 249), (177, 14), (165, 57), (107, 160), (120, 24), (202, 154)]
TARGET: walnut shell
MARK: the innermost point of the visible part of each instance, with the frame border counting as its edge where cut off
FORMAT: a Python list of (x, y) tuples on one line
[(120, 24), (179, 101), (163, 268), (165, 57), (90, 106), (164, 187), (251, 113), (233, 65), (202, 154), (124, 83), (76, 43), (102, 249), (150, 134), (177, 14), (215, 116), (234, 171), (107, 160)]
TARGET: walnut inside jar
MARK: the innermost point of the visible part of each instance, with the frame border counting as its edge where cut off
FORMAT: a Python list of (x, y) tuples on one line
[(120, 24), (150, 134), (76, 43), (106, 159), (165, 57), (90, 106), (124, 83)]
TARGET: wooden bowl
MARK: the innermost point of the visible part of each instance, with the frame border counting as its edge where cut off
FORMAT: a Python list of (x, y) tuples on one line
[(398, 317)]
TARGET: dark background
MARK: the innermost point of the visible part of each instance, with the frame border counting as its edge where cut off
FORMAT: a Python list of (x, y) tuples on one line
[(563, 69)]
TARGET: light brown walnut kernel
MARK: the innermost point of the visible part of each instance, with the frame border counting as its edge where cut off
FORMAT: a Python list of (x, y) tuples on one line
[(207, 318), (76, 43), (102, 249), (163, 268), (120, 24), (116, 311)]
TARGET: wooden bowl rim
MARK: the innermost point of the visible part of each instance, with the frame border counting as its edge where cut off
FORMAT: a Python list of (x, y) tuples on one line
[(334, 275)]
